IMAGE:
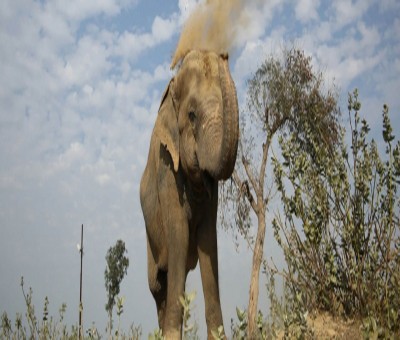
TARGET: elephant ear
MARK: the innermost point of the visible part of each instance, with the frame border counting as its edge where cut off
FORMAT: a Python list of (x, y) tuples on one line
[(166, 127)]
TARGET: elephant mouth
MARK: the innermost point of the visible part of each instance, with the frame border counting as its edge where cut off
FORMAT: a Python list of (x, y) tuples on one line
[(208, 182), (200, 177)]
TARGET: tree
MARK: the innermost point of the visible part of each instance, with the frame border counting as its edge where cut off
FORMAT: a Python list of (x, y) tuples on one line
[(284, 96), (116, 269)]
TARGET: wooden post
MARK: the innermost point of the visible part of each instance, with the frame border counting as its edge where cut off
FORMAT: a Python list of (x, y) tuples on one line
[(80, 290)]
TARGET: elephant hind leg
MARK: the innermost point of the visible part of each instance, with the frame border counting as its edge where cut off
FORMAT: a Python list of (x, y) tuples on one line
[(158, 285)]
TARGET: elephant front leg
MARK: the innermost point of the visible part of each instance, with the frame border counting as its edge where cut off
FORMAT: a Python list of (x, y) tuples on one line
[(208, 258), (177, 258)]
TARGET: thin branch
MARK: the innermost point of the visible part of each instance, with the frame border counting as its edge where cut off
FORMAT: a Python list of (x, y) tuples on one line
[(249, 173), (243, 187), (264, 165)]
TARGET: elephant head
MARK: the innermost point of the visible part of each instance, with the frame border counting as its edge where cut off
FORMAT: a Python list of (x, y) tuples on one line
[(199, 117)]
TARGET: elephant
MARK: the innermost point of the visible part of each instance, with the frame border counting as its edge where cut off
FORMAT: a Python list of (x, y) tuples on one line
[(193, 145)]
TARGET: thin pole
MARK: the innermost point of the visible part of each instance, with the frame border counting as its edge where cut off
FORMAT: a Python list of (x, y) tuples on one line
[(80, 290)]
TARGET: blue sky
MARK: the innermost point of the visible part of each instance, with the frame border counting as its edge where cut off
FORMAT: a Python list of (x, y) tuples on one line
[(80, 87)]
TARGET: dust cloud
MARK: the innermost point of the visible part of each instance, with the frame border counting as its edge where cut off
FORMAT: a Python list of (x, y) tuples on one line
[(212, 26)]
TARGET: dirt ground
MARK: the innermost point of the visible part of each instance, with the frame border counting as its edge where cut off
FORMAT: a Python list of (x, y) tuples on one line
[(327, 327)]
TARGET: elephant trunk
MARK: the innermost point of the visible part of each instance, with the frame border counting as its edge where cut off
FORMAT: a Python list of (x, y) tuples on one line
[(230, 119), (217, 155)]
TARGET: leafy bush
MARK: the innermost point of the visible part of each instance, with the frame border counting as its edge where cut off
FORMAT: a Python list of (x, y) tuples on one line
[(340, 229)]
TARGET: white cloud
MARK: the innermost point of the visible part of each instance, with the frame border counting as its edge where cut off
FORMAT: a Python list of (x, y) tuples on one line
[(349, 11), (347, 56), (129, 45), (79, 10), (54, 27), (389, 5), (256, 50), (88, 62), (350, 68), (256, 19), (76, 10), (323, 32), (70, 157), (307, 10), (163, 29), (370, 37)]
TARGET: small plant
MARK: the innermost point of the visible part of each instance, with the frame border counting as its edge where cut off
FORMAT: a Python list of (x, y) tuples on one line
[(6, 328), (295, 316), (135, 332), (120, 310), (218, 334), (92, 332), (239, 330), (189, 330), (156, 335), (30, 310)]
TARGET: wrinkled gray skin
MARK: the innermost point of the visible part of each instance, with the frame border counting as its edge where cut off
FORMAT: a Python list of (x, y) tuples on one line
[(193, 145)]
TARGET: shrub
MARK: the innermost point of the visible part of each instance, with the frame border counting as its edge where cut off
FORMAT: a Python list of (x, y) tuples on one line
[(340, 229)]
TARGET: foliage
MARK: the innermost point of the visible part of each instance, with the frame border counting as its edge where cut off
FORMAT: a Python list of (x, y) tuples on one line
[(117, 267), (340, 226)]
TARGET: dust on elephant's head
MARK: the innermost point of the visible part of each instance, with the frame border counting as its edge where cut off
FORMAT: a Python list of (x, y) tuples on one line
[(199, 126)]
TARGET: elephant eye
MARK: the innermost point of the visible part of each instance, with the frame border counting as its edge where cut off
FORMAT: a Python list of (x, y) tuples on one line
[(192, 116)]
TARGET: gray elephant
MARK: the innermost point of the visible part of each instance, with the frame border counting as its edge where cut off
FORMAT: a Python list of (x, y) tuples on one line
[(193, 145)]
